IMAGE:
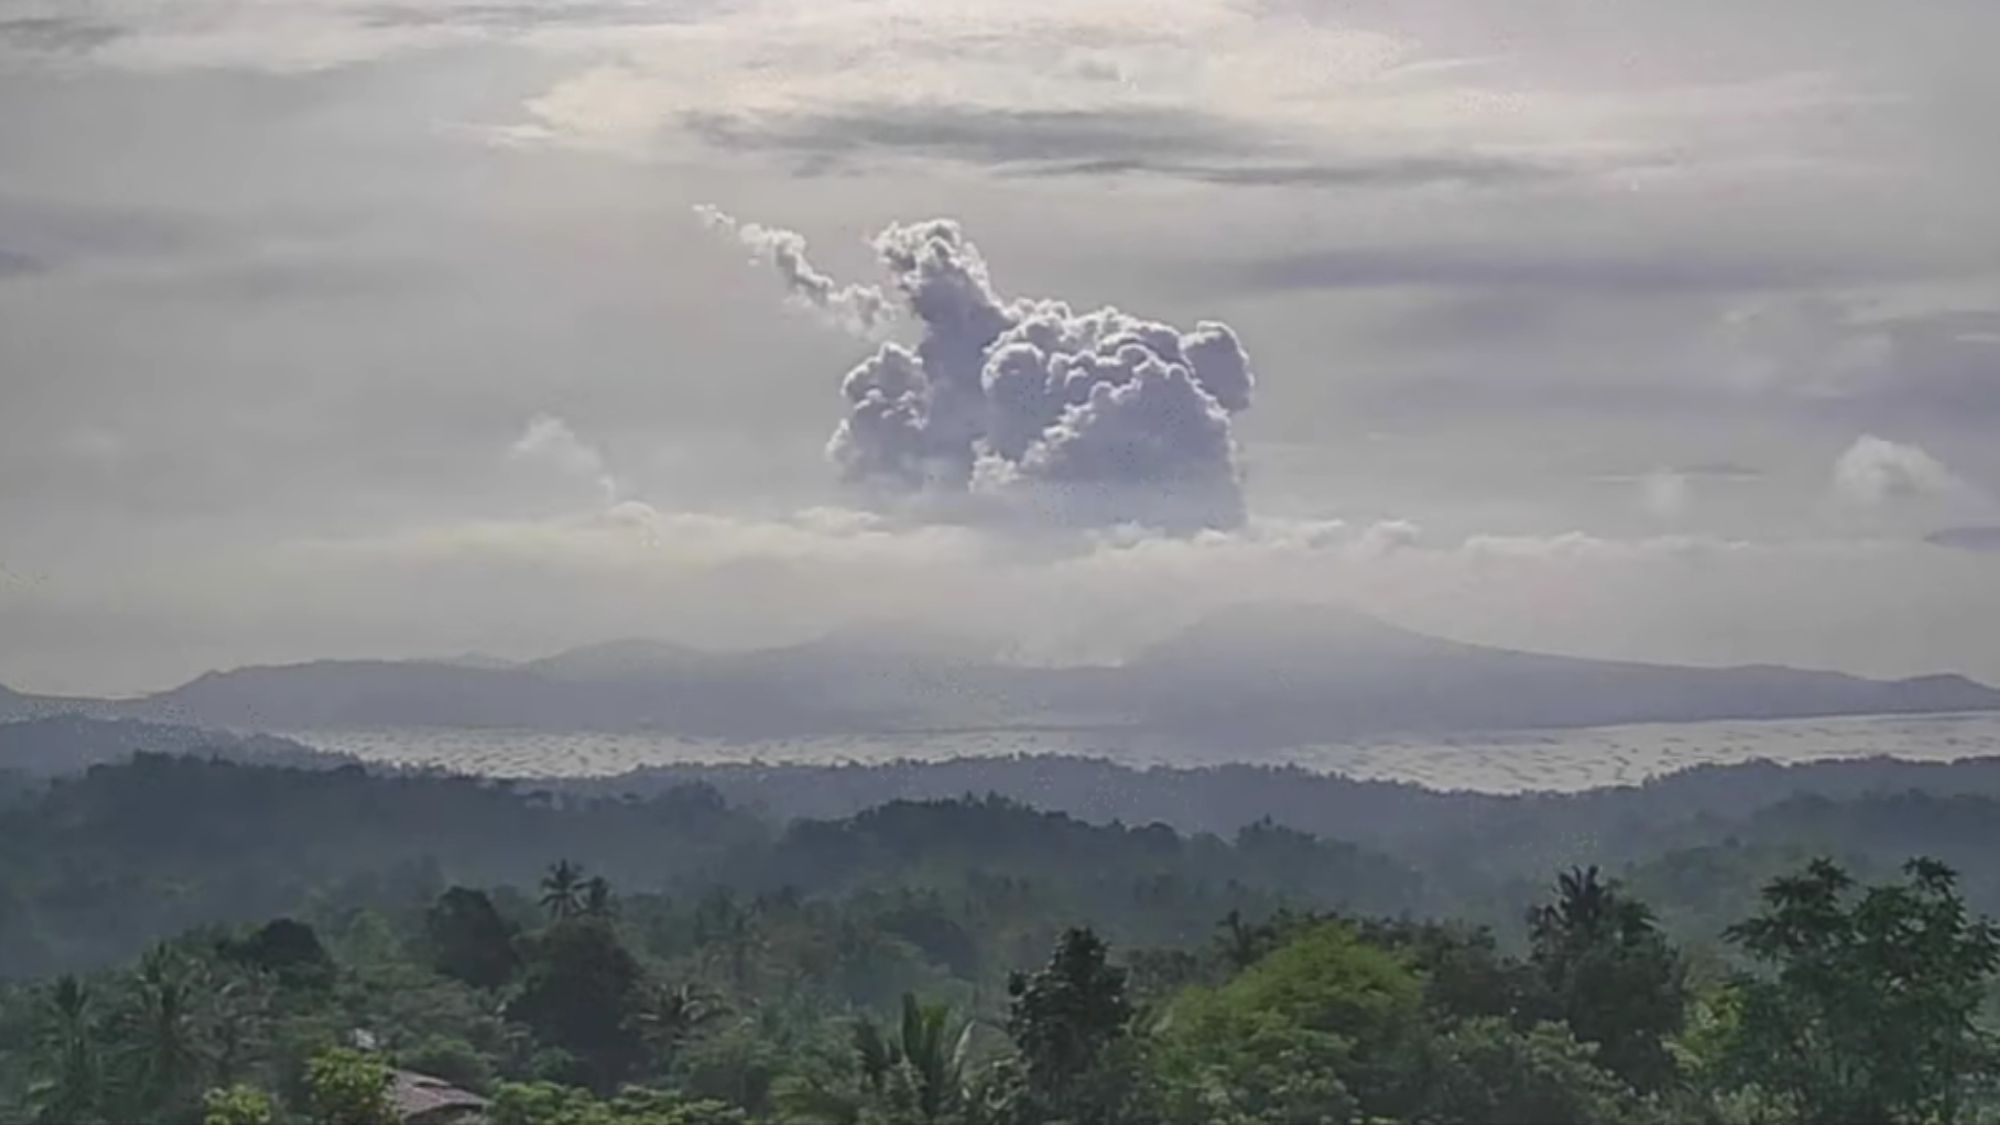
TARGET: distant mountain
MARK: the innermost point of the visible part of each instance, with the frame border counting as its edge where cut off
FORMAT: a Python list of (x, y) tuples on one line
[(1279, 675), (620, 660), (1249, 677), (18, 705)]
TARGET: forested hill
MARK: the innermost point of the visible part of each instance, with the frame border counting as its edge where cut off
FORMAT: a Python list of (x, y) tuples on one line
[(264, 943), (100, 864)]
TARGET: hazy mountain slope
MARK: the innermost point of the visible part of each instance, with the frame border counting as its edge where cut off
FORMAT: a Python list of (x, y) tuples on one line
[(702, 701), (1267, 675), (1255, 676), (19, 705)]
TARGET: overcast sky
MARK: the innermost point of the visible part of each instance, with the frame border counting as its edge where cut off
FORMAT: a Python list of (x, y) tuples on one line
[(1620, 327)]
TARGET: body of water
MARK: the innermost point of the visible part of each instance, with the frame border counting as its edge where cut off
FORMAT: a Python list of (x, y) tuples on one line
[(1559, 760)]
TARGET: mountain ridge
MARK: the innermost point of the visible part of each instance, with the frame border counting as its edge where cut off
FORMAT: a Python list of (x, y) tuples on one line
[(1259, 675)]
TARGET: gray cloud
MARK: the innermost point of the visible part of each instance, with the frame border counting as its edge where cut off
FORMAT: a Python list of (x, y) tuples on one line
[(1409, 171), (13, 263), (503, 15), (1170, 143), (1967, 538), (56, 34), (1633, 275), (980, 135), (1720, 470), (1895, 367)]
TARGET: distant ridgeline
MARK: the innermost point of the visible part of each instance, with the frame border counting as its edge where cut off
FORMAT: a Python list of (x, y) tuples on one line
[(1251, 678)]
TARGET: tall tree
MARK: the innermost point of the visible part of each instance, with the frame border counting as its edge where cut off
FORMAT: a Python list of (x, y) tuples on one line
[(1868, 1012), (1065, 1019), (1614, 978), (917, 1073), (469, 940), (69, 1091), (562, 890), (164, 1031), (584, 992)]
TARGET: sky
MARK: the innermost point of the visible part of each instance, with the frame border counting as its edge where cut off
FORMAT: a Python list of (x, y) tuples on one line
[(332, 328)]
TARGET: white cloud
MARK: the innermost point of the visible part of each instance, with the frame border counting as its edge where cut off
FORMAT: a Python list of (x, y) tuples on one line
[(1876, 473), (549, 441)]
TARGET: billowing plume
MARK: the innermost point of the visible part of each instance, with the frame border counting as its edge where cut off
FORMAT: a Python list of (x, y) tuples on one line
[(864, 309), (1090, 418)]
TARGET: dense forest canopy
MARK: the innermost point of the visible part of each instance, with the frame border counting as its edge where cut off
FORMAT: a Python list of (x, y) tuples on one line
[(189, 939)]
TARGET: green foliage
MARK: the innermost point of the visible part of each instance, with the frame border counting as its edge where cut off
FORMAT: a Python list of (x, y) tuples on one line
[(1319, 1026), (1065, 1019), (856, 972), (347, 1087), (582, 991), (70, 1088), (543, 1103), (1869, 1012), (1612, 975), (237, 1105), (469, 940), (287, 949), (1485, 1071), (162, 1024)]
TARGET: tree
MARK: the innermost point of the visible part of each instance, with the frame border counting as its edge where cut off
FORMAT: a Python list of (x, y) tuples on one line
[(469, 940), (583, 991), (919, 1072), (1320, 1029), (288, 950), (163, 1030), (1065, 1019), (1612, 976), (562, 890), (347, 1087), (1868, 1012), (668, 1016), (69, 1091), (1484, 1071)]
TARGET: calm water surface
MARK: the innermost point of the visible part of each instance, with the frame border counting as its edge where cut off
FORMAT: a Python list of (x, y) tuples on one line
[(1500, 763)]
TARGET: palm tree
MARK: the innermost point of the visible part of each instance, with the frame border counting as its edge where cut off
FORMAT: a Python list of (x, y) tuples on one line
[(923, 1066), (562, 890), (671, 1015), (934, 1047), (1588, 909), (69, 1093), (166, 1042)]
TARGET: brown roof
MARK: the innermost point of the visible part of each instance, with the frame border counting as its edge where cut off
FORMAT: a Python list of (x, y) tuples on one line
[(415, 1096)]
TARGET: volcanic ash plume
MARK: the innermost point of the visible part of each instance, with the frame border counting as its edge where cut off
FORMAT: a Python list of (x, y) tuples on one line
[(1091, 418)]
